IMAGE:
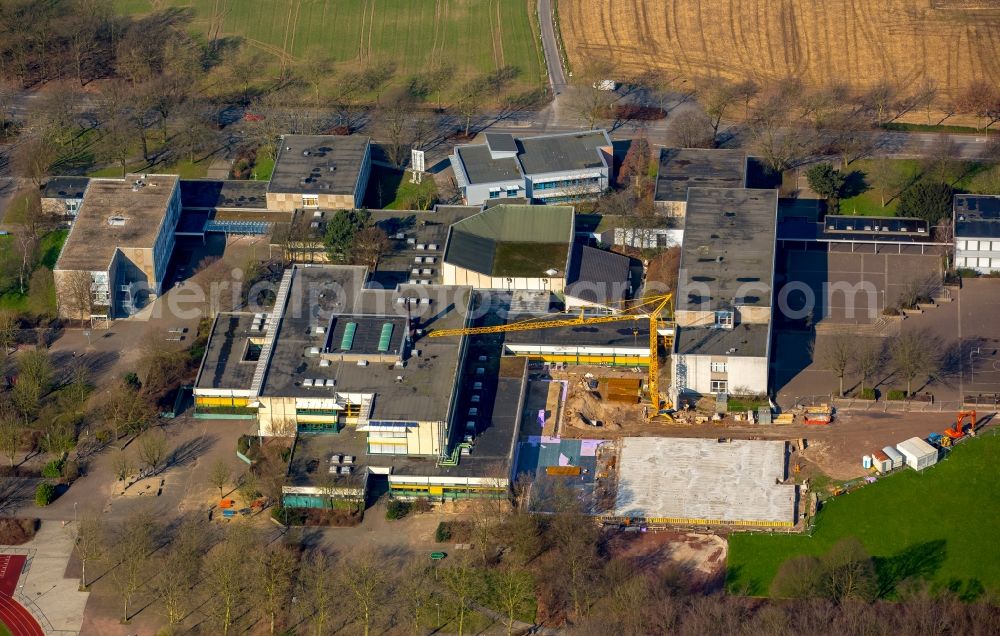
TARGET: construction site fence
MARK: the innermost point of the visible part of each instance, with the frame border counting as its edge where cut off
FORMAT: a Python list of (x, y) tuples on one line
[(682, 521), (901, 406)]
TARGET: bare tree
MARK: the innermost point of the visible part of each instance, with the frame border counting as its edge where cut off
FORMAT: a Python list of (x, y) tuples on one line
[(471, 101), (798, 577), (226, 572), (178, 570), (836, 354), (850, 571), (89, 545), (515, 593), (414, 593), (76, 294), (886, 178), (127, 410), (365, 578), (460, 579), (11, 433), (369, 246), (690, 128), (248, 487), (982, 100), (913, 355), (316, 69), (9, 327), (153, 450), (375, 77), (717, 96), (124, 466), (869, 359), (319, 590), (131, 547), (220, 476), (275, 567)]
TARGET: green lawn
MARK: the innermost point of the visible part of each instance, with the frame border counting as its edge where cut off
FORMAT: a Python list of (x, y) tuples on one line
[(4, 630), (940, 525), (392, 190), (49, 247), (908, 171), (263, 168), (412, 33)]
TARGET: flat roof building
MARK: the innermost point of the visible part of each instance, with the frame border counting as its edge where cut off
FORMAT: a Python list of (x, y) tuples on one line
[(122, 239), (724, 295), (320, 172), (597, 279), (352, 366), (681, 168), (546, 168), (977, 232), (511, 247), (62, 196), (704, 482)]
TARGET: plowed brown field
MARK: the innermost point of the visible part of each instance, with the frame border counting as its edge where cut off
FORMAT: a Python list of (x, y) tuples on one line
[(855, 42)]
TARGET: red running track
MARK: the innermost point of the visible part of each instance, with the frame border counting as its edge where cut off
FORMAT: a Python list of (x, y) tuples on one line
[(18, 620)]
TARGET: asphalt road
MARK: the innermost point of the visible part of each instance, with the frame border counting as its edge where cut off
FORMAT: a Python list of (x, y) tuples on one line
[(546, 22)]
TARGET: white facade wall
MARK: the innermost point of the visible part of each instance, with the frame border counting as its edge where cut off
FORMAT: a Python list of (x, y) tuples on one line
[(743, 374), (653, 237), (980, 254), (452, 275)]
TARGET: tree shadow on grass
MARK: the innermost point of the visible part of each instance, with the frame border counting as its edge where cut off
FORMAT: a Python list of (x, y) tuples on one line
[(920, 560), (968, 590), (854, 184)]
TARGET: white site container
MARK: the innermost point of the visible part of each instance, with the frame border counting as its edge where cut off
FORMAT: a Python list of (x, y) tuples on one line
[(895, 456), (918, 453)]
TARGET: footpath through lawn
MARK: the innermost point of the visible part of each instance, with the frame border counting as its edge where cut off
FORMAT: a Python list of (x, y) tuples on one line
[(940, 525)]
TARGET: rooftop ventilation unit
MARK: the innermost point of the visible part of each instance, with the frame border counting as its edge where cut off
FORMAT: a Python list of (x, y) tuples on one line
[(307, 382), (362, 363), (312, 352), (324, 363)]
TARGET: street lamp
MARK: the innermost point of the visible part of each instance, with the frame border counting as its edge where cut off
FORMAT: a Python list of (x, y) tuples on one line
[(86, 332)]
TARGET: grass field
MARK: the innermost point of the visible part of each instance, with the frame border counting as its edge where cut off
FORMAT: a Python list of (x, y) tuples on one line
[(909, 171), (837, 41), (476, 35), (939, 525)]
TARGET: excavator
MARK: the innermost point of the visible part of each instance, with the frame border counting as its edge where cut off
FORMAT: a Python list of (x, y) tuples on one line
[(958, 432), (649, 309)]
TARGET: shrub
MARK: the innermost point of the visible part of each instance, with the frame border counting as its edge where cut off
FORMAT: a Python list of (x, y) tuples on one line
[(397, 509), (70, 471), (895, 394), (53, 470), (890, 311), (288, 516), (443, 532), (17, 531), (866, 394), (422, 504), (103, 436), (44, 494)]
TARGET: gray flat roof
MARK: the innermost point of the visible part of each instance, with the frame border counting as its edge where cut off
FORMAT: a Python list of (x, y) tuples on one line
[(745, 339), (92, 240), (611, 334), (597, 276), (64, 187), (563, 152), (223, 366), (977, 216), (321, 164), (683, 168), (491, 455), (423, 393), (501, 142), (703, 480), (420, 231), (367, 334), (481, 167), (217, 193), (727, 258)]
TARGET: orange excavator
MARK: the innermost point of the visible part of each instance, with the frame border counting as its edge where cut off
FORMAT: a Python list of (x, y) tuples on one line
[(958, 431)]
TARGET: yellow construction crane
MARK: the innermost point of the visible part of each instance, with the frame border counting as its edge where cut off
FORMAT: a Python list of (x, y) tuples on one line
[(649, 309)]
